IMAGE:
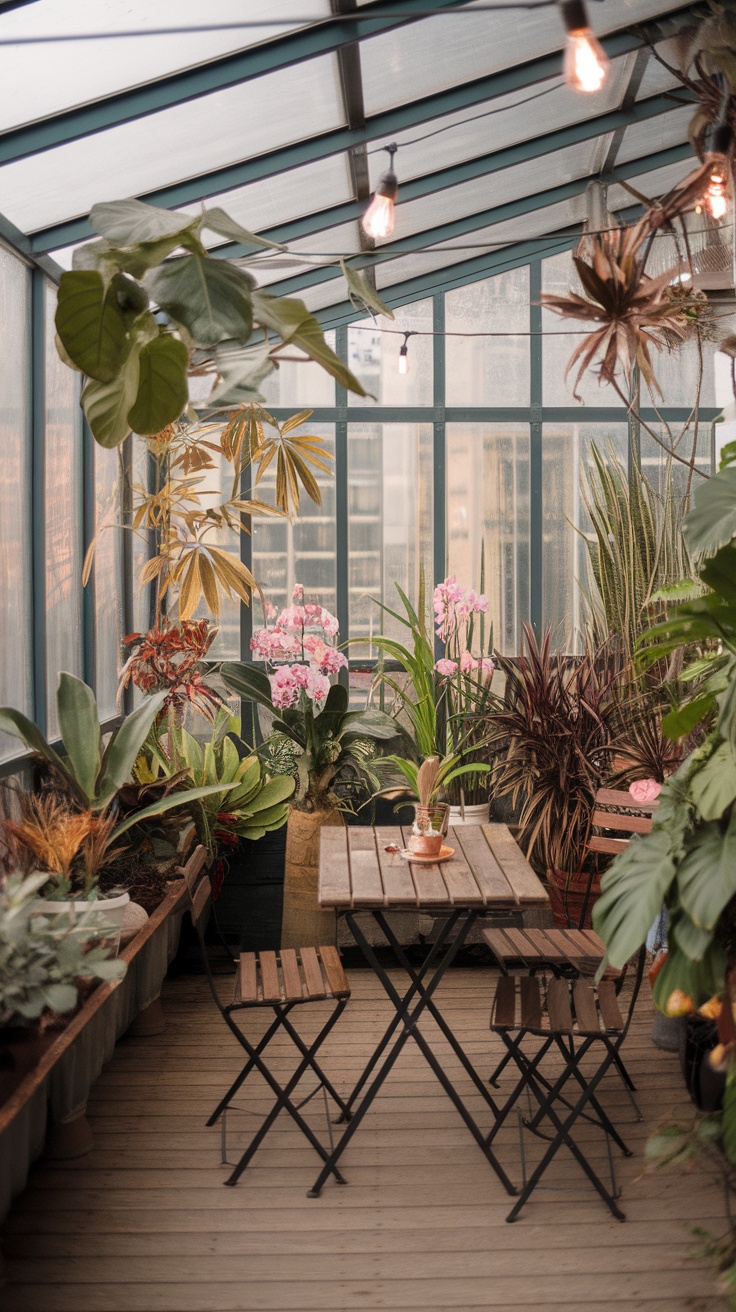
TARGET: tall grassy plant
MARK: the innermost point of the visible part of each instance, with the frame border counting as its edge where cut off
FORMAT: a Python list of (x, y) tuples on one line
[(637, 545)]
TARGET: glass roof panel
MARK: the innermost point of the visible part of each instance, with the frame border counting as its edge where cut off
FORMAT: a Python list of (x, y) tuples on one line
[(480, 194), (656, 134), (39, 80), (656, 77), (173, 144), (650, 184), (401, 66), (475, 131)]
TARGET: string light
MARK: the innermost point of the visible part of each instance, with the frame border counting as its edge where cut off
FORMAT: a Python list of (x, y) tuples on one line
[(585, 64), (404, 354), (715, 197), (378, 220)]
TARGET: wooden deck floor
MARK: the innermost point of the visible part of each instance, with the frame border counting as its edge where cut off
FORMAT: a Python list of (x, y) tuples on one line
[(143, 1224)]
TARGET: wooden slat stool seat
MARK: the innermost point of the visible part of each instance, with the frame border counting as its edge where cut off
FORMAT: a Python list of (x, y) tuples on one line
[(282, 981), (571, 1018)]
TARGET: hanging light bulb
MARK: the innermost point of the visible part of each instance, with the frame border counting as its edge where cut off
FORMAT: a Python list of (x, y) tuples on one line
[(715, 198), (585, 64), (404, 354), (378, 220)]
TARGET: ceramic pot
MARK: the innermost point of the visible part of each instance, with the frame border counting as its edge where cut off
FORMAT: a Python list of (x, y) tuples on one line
[(303, 923), (103, 916), (477, 814)]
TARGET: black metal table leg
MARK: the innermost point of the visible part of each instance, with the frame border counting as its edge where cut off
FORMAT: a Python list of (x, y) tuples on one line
[(408, 1020)]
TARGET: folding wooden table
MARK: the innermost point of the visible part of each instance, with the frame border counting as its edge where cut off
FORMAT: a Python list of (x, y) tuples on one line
[(361, 870)]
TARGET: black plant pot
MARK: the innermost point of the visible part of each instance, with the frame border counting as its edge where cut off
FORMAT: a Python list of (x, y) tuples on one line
[(706, 1087), (248, 909)]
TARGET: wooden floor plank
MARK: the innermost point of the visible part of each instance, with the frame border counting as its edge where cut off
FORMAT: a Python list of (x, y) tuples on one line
[(143, 1223)]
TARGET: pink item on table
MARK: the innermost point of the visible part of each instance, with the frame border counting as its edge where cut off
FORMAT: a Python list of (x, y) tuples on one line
[(645, 790)]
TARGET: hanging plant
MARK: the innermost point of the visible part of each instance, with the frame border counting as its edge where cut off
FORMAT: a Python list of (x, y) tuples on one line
[(148, 306)]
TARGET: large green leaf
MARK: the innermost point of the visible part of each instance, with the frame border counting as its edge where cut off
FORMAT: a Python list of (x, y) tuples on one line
[(124, 746), (713, 787), (719, 573), (293, 323), (276, 790), (218, 221), (168, 803), (15, 723), (107, 405), (80, 730), (684, 718), (360, 290), (693, 940), (633, 890), (706, 878), (248, 682), (90, 324), (210, 298), (727, 706), (698, 980), (163, 391), (128, 222), (711, 522), (370, 723)]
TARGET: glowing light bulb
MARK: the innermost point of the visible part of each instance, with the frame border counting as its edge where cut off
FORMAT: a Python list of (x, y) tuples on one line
[(403, 360), (378, 220), (715, 198), (585, 64)]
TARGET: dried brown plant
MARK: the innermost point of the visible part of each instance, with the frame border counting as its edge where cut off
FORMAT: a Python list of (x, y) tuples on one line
[(50, 832), (633, 310)]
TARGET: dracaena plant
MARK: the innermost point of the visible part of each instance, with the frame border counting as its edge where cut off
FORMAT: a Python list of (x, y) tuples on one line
[(148, 306)]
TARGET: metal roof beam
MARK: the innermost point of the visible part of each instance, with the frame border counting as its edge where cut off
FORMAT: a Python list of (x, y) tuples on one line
[(455, 174), (323, 38), (426, 185), (429, 238), (386, 124)]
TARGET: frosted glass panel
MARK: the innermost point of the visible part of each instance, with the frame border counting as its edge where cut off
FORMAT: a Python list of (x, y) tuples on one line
[(561, 337), (654, 460), (142, 596), (301, 385), (63, 519), (374, 356), (390, 490), (488, 371), (488, 510), (285, 196), (37, 82), (108, 581), (565, 453), (301, 552), (15, 538), (654, 134), (183, 142)]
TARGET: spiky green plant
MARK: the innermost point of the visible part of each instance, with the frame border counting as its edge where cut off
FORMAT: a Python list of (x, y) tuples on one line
[(636, 548)]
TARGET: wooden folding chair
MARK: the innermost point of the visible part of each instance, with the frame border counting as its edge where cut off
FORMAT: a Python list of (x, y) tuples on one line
[(281, 981), (575, 1018)]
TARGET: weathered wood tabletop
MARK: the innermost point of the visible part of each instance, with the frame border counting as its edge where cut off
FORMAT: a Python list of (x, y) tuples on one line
[(487, 869)]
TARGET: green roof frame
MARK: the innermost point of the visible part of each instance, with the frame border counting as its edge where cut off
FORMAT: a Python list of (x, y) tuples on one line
[(327, 37), (342, 139)]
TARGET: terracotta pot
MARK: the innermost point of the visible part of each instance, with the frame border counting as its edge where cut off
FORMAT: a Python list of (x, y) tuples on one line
[(303, 923), (567, 895)]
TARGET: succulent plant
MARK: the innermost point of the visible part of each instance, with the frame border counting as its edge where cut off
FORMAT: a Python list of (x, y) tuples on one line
[(42, 958)]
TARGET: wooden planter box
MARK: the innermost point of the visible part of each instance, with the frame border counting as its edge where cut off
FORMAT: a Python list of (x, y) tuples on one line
[(50, 1099)]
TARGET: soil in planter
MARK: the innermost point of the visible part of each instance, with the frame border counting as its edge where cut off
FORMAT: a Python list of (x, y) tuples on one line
[(147, 884)]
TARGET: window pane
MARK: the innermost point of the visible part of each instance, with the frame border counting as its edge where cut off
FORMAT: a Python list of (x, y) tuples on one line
[(561, 337), (374, 357), (142, 596), (108, 581), (15, 545), (488, 511), (654, 459), (63, 499), (488, 371), (390, 490), (301, 384), (302, 552), (565, 454)]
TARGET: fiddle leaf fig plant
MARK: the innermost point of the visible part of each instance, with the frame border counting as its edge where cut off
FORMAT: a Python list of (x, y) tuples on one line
[(149, 304)]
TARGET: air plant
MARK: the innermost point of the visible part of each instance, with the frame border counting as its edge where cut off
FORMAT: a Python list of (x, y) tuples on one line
[(632, 309)]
